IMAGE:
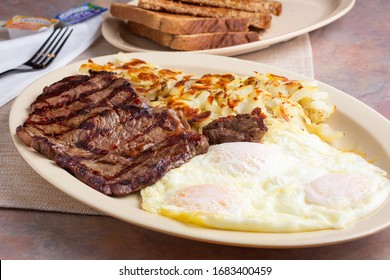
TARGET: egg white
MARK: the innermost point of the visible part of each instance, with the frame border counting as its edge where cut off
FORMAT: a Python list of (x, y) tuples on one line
[(291, 182)]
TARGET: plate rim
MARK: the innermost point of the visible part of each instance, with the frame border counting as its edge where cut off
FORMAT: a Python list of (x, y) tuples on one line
[(343, 7), (294, 240)]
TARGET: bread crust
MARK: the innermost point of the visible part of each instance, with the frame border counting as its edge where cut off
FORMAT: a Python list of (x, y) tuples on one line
[(195, 41), (177, 24), (257, 19), (263, 6)]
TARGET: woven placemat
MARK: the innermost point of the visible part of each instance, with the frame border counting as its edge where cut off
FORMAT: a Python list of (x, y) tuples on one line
[(21, 187)]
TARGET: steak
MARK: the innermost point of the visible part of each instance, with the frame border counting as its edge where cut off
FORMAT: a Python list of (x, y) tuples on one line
[(100, 130), (238, 128)]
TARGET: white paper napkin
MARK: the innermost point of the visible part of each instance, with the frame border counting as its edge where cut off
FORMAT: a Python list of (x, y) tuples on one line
[(17, 51)]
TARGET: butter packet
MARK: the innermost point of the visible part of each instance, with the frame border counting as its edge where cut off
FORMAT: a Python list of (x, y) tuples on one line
[(26, 25), (80, 13)]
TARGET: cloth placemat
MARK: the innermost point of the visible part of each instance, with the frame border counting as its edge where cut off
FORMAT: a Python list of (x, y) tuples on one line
[(21, 187)]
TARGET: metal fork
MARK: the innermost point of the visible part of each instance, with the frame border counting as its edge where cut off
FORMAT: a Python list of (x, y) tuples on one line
[(46, 53)]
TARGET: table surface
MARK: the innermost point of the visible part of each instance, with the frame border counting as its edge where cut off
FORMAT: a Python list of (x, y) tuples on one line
[(352, 54)]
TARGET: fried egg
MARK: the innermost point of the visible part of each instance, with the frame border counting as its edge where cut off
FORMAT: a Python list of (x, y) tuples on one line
[(291, 182)]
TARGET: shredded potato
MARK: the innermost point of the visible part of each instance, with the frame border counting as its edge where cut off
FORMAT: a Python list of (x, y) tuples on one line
[(203, 99)]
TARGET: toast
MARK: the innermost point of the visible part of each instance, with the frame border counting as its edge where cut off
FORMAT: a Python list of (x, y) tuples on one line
[(177, 24), (194, 41), (258, 20), (262, 6)]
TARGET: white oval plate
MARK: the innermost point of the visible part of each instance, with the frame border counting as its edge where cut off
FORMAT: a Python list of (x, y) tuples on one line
[(298, 17), (365, 129)]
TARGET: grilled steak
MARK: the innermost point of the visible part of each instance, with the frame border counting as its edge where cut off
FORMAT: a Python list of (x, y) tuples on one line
[(100, 130), (238, 128)]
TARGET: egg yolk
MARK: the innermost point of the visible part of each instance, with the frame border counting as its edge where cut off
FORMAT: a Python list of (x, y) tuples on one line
[(246, 158), (206, 198), (338, 190)]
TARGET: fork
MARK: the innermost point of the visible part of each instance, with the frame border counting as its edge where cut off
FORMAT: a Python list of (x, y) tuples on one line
[(46, 53)]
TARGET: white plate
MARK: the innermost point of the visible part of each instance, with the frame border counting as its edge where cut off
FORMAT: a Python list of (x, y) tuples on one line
[(364, 127), (298, 17)]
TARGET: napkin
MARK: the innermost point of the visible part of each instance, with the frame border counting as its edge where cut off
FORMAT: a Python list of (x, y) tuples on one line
[(15, 52)]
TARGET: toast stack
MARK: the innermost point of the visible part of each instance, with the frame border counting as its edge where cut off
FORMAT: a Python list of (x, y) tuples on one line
[(191, 25)]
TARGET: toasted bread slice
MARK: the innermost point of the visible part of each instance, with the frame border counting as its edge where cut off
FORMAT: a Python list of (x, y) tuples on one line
[(262, 6), (178, 24), (195, 41), (258, 20)]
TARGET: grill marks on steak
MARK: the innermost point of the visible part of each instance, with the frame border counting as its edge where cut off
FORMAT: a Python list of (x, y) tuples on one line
[(128, 174), (104, 97), (70, 89), (106, 135)]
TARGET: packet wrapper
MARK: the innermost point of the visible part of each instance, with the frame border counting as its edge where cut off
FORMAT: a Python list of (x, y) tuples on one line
[(80, 13), (20, 26)]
